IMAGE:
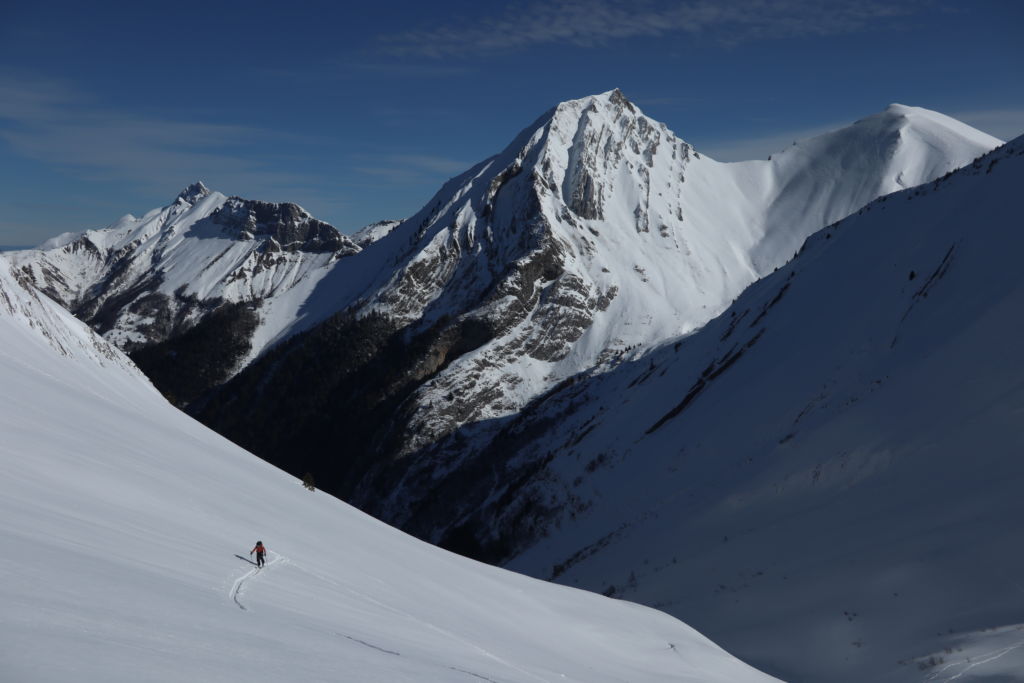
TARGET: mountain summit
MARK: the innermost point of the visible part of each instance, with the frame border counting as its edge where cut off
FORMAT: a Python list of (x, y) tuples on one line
[(193, 192)]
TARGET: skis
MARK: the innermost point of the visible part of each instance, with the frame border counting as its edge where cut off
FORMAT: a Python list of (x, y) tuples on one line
[(246, 559)]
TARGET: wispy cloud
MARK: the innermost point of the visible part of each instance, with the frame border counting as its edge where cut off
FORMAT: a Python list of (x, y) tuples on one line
[(338, 71), (407, 69), (761, 146), (51, 122), (411, 168), (434, 164), (667, 101), (1005, 124), (596, 22)]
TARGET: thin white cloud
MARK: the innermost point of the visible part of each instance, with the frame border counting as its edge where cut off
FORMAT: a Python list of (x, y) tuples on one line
[(1005, 124), (407, 69), (434, 164), (346, 69), (51, 122), (33, 100), (412, 168), (761, 146), (595, 22)]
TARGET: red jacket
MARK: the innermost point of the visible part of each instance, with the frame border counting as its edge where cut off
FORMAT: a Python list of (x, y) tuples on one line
[(258, 549)]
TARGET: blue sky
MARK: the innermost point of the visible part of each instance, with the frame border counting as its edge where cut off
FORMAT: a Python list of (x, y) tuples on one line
[(360, 112)]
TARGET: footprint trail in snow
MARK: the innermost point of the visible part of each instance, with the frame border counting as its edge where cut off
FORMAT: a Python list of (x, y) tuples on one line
[(236, 587)]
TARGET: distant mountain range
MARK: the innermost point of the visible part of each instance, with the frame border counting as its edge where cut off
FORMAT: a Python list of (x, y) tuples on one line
[(513, 371)]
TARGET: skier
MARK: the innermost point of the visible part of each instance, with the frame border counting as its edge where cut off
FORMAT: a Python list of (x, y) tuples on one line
[(260, 553)]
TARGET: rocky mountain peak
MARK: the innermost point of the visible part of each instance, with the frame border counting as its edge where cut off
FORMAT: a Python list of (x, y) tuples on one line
[(289, 224), (194, 192), (615, 96), (613, 101), (596, 141)]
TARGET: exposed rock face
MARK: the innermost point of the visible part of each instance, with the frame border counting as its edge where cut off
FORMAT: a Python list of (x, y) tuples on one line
[(286, 224), (193, 193)]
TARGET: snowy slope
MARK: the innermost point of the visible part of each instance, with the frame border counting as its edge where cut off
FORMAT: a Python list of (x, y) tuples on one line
[(825, 479), (373, 232), (122, 518)]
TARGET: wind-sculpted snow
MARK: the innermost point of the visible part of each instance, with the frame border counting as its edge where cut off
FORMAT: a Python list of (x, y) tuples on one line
[(123, 524), (825, 478)]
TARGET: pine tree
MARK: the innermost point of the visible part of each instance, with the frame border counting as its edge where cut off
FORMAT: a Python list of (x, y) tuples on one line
[(308, 482)]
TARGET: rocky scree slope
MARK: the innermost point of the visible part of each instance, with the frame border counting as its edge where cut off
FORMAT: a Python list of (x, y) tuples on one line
[(825, 478), (594, 235)]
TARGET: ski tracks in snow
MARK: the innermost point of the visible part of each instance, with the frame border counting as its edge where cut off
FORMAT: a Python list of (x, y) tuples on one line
[(955, 670), (236, 587)]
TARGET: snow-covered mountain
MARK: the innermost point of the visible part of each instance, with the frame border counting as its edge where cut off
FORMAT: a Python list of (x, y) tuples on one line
[(826, 478), (147, 281), (596, 234), (122, 519), (598, 230)]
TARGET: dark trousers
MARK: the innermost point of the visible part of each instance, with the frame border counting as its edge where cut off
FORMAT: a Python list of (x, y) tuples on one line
[(259, 559)]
